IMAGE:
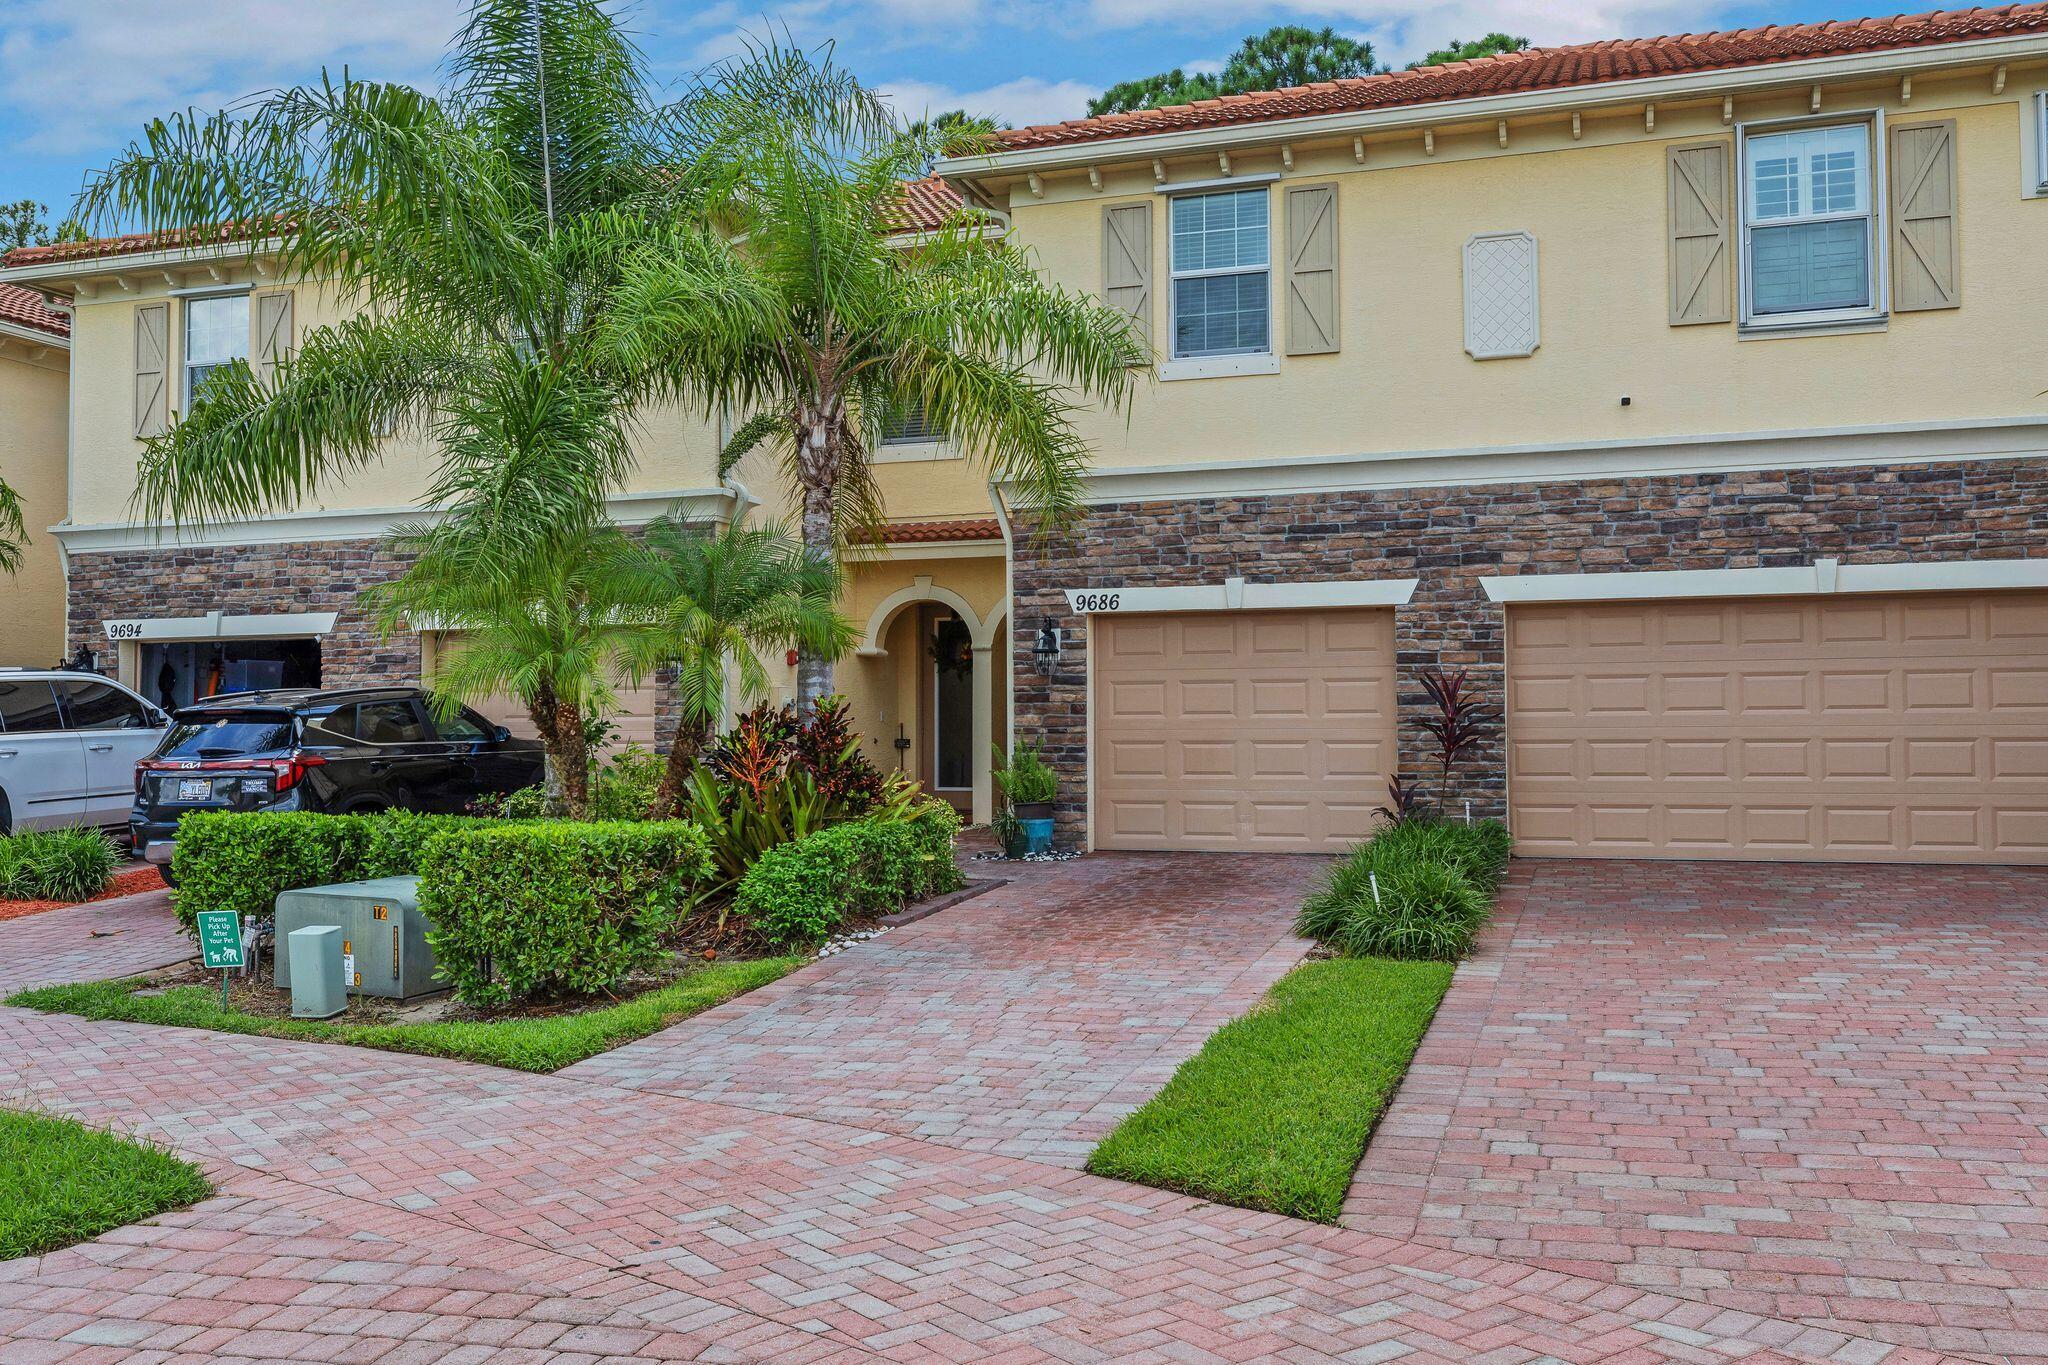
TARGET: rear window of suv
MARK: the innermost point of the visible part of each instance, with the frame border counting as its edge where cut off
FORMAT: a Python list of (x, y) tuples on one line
[(228, 735)]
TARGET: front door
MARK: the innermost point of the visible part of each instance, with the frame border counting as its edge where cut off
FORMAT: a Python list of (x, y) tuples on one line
[(953, 755)]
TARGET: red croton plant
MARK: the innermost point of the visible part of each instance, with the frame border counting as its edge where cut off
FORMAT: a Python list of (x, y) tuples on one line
[(1461, 720)]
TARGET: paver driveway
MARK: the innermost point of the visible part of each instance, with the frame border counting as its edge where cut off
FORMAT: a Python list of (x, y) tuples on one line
[(1817, 1093), (380, 1207)]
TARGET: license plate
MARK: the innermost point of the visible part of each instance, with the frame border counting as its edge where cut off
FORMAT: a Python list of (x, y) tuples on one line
[(195, 789)]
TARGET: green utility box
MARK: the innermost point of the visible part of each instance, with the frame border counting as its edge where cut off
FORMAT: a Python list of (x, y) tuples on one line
[(383, 935)]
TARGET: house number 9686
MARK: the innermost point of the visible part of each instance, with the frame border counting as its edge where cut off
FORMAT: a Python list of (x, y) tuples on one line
[(1097, 601)]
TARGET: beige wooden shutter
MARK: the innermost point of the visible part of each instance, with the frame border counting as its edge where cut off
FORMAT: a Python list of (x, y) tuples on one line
[(1926, 265), (1312, 270), (273, 322), (1700, 246), (152, 369), (1127, 263)]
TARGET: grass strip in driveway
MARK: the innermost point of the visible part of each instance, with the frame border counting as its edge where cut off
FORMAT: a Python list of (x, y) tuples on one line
[(62, 1183), (1274, 1112), (546, 1043)]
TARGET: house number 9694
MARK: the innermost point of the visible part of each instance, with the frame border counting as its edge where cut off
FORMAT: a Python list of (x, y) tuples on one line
[(1097, 601)]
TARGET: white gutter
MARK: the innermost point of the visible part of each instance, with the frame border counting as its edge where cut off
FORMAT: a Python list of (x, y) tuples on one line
[(1562, 99), (35, 336), (123, 263)]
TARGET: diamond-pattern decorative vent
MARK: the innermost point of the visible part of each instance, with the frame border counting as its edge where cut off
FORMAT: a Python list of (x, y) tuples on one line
[(1500, 295)]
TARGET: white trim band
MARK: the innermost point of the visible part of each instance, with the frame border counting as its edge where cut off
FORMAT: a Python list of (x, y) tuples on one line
[(1234, 594), (1977, 438), (291, 528), (1823, 576), (219, 626)]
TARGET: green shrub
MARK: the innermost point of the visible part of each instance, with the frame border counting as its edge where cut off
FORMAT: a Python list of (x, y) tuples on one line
[(801, 892), (1436, 884), (555, 908), (56, 864), (622, 788), (240, 861)]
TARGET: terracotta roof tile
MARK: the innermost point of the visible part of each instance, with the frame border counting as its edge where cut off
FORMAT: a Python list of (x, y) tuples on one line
[(935, 532), (928, 203), (25, 308), (1615, 59), (128, 244)]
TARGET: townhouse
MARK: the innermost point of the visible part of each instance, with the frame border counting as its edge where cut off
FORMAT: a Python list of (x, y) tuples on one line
[(35, 345), (1686, 394)]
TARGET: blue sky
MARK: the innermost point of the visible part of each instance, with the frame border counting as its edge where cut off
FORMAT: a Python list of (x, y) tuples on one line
[(79, 77)]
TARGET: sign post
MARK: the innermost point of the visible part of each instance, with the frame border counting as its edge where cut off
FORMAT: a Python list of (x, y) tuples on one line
[(220, 944)]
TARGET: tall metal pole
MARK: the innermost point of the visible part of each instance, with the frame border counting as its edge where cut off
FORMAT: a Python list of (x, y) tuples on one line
[(547, 165)]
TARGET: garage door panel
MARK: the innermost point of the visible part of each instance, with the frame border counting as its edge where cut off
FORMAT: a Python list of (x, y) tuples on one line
[(1896, 728), (1276, 729)]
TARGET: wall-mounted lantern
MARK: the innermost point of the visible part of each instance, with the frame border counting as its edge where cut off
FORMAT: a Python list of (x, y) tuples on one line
[(1047, 649)]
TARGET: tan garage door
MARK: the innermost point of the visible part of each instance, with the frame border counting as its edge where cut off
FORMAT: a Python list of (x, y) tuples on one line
[(633, 717), (1242, 730), (1896, 729)]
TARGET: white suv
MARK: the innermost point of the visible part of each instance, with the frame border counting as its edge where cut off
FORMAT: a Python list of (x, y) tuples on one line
[(69, 743)]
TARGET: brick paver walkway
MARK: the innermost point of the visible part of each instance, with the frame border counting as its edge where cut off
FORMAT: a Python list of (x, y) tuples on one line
[(1811, 1093), (91, 942), (1027, 1021), (390, 1208)]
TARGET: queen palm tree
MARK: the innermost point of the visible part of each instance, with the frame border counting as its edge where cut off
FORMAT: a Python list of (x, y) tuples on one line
[(847, 321), (549, 619), (480, 236), (713, 600)]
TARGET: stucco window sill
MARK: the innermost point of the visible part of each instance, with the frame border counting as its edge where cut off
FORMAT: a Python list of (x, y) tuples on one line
[(1219, 367), (1764, 331)]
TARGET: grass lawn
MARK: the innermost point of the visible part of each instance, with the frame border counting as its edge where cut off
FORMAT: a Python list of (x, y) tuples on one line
[(546, 1043), (1274, 1111), (62, 1183)]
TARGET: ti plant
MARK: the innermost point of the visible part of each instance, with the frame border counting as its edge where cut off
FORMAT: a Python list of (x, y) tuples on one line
[(1461, 720)]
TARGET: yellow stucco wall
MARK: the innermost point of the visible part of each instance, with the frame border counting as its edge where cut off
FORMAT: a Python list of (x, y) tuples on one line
[(1403, 382), (32, 425), (883, 692), (676, 448)]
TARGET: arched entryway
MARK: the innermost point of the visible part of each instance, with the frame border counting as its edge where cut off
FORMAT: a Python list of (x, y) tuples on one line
[(947, 660)]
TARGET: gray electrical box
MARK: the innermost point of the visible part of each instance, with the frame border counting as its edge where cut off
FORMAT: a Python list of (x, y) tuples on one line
[(384, 936), (318, 992)]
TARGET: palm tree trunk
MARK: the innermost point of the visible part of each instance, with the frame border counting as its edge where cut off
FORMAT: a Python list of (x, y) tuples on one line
[(675, 776), (541, 709), (575, 760), (818, 473)]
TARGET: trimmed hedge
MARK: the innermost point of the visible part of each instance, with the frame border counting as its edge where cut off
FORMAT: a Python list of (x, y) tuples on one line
[(226, 860), (1436, 885), (555, 907), (800, 893)]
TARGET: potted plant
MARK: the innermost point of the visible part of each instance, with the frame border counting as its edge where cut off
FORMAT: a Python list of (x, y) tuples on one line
[(1029, 786)]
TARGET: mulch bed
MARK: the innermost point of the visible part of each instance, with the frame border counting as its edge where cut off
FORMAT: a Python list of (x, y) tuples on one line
[(129, 883)]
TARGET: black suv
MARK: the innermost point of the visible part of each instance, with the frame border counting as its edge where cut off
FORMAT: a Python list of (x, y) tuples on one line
[(340, 750)]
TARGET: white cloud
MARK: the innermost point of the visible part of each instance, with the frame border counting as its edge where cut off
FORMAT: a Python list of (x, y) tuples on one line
[(1026, 100), (79, 74)]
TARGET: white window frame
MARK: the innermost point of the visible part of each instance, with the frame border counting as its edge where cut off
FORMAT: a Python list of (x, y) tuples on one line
[(1176, 366), (1818, 319), (188, 297), (2034, 145)]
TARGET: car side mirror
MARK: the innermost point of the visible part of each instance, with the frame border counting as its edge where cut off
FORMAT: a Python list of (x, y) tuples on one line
[(499, 734), (158, 718)]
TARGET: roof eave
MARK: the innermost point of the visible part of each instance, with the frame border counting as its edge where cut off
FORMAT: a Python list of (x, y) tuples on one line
[(35, 336), (1644, 89), (135, 262)]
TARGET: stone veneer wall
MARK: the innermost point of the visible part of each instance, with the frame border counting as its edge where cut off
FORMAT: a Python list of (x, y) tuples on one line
[(259, 580), (1452, 537), (249, 580)]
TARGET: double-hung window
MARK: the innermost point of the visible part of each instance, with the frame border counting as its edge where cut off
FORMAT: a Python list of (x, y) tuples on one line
[(1811, 238), (216, 334), (1221, 261)]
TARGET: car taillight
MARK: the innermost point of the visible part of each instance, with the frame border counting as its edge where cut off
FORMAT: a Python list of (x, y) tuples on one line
[(287, 773)]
